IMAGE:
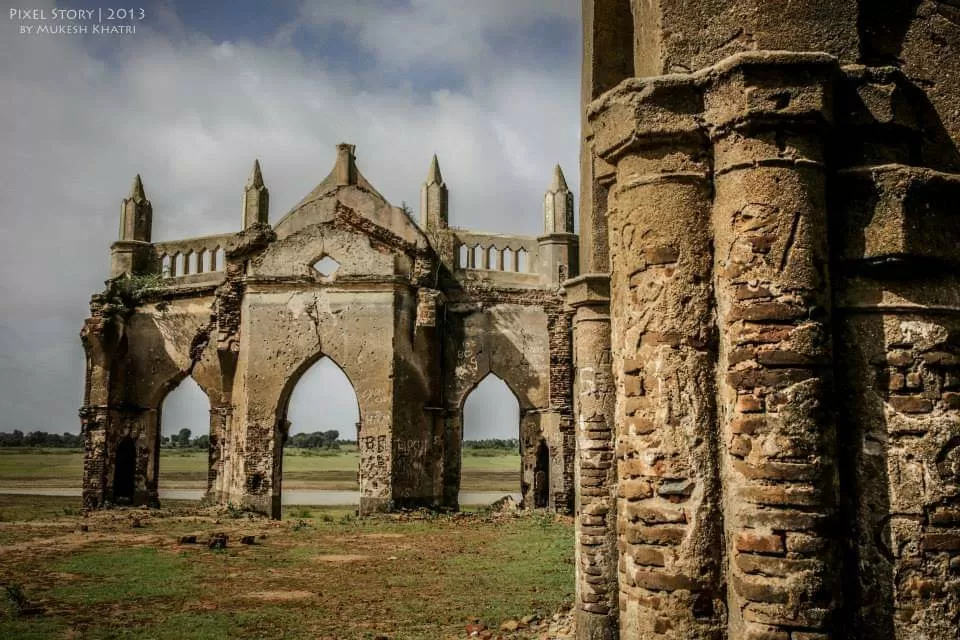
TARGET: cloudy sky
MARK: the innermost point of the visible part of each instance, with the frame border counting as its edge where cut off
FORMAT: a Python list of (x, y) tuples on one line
[(204, 87)]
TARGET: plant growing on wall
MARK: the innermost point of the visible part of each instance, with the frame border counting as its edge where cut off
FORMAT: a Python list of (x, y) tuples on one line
[(127, 292)]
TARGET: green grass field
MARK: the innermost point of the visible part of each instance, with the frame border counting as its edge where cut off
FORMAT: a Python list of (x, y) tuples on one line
[(483, 469), (320, 573)]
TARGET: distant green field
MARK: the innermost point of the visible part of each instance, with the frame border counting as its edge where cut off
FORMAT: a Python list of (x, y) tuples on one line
[(483, 469)]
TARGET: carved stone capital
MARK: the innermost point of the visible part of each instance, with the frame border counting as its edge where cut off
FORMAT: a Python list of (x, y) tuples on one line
[(588, 290), (769, 89), (661, 111)]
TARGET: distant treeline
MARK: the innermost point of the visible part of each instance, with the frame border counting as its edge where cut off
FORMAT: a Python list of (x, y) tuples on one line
[(493, 443), (316, 440), (41, 439)]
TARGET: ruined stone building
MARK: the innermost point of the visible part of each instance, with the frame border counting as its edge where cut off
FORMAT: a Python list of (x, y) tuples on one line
[(767, 330), (755, 345), (415, 316)]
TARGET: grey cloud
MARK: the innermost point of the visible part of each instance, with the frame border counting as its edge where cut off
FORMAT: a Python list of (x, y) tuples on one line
[(191, 116)]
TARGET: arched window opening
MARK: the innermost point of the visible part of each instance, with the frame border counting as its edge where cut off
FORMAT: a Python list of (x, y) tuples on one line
[(184, 438), (477, 262), (320, 445), (491, 439), (508, 259), (522, 261), (493, 255), (462, 260)]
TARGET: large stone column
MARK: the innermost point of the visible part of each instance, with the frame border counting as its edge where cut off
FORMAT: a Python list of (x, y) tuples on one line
[(594, 404), (768, 114), (664, 355)]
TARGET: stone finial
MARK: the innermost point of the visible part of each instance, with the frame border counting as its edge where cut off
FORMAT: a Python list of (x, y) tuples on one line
[(137, 193), (434, 199), (346, 168), (559, 181), (434, 176), (136, 214), (558, 205), (256, 177), (256, 199)]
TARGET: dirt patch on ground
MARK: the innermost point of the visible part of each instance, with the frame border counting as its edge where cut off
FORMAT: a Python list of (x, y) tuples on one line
[(76, 541), (279, 596), (340, 557)]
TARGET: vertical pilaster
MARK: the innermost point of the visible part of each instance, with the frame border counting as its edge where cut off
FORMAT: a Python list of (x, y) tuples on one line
[(596, 468), (664, 357), (607, 60), (774, 309), (99, 340)]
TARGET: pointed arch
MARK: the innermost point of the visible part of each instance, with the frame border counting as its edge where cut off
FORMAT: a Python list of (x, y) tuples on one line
[(511, 381), (338, 395), (283, 402), (485, 390), (284, 428)]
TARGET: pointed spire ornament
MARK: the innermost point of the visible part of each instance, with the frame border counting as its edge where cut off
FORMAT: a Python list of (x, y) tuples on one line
[(136, 191), (136, 214), (559, 181), (256, 199), (256, 178), (434, 176), (558, 205), (433, 199)]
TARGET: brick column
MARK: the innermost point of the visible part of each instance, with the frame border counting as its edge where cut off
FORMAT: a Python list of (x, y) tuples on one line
[(596, 477), (664, 357), (96, 416), (768, 113)]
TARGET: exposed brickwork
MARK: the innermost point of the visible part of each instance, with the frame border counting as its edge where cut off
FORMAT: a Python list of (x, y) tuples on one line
[(823, 323)]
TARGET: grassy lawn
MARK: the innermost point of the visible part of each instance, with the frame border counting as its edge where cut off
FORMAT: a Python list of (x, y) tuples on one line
[(320, 573), (483, 469)]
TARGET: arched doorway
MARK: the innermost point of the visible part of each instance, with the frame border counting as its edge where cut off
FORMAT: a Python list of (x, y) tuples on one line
[(125, 470), (491, 446), (319, 431), (184, 439)]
